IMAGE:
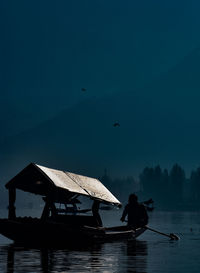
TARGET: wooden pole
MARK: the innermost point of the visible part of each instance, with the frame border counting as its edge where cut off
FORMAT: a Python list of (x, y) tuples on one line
[(172, 236)]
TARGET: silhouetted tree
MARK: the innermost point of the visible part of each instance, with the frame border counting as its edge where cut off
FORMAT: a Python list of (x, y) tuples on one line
[(155, 184), (147, 181), (157, 180), (106, 179), (177, 179), (121, 187), (195, 185), (166, 187)]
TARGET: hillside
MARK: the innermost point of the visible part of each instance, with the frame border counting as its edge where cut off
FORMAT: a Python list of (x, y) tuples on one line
[(158, 124)]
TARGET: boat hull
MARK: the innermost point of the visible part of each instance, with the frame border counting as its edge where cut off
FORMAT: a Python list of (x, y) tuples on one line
[(50, 233)]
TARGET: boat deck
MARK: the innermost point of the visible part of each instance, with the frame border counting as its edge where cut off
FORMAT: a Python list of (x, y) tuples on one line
[(34, 230)]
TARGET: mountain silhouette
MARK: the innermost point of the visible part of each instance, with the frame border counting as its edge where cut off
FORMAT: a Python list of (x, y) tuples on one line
[(161, 124)]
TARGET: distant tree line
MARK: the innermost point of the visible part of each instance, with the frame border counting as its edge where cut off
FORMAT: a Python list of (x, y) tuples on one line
[(165, 187), (169, 189), (120, 187)]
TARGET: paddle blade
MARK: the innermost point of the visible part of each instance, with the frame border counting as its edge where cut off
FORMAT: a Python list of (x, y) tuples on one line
[(174, 236)]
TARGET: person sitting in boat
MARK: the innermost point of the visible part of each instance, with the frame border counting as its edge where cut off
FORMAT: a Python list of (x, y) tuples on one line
[(95, 212), (49, 209), (137, 214)]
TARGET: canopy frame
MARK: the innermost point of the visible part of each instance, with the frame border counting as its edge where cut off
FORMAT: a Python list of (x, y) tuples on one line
[(57, 185)]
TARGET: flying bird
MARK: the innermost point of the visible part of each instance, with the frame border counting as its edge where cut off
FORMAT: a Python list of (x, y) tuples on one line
[(83, 89), (116, 124)]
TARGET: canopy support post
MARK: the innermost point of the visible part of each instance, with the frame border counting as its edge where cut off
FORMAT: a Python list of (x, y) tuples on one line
[(11, 207)]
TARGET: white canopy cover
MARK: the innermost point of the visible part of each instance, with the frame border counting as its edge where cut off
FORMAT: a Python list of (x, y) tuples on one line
[(68, 181)]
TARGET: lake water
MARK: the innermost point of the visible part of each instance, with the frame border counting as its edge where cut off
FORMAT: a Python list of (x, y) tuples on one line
[(149, 253)]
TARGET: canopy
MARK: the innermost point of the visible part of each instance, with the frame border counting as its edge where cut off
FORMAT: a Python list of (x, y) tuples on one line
[(46, 181)]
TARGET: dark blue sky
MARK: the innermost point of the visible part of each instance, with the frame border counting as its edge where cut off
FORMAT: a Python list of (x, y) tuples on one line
[(49, 50)]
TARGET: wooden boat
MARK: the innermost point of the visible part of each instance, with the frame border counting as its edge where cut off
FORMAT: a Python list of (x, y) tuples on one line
[(30, 231), (55, 228)]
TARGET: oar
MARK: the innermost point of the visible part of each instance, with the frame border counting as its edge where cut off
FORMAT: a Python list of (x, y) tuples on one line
[(172, 236)]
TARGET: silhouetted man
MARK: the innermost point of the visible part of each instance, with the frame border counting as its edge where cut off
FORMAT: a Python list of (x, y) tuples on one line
[(95, 211), (48, 208), (137, 215)]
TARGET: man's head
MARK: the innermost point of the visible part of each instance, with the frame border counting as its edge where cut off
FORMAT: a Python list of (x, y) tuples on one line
[(132, 198)]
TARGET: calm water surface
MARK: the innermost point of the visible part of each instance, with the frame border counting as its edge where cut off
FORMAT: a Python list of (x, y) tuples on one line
[(149, 253)]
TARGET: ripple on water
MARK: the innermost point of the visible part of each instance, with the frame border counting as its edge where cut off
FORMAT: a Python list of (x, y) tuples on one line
[(150, 253)]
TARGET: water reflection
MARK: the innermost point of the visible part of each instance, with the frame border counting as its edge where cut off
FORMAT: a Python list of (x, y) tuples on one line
[(109, 257), (44, 256), (137, 257), (10, 260)]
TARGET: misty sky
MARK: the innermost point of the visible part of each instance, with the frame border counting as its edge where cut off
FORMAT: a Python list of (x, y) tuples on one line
[(49, 50)]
